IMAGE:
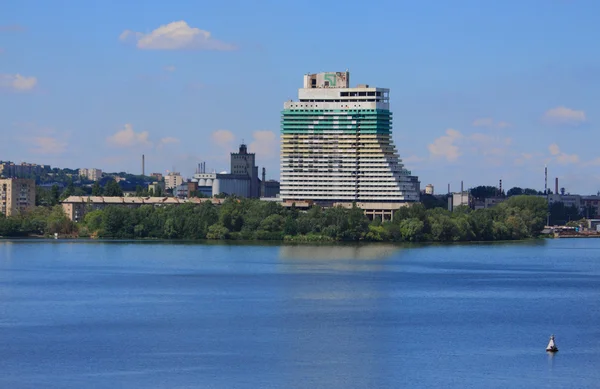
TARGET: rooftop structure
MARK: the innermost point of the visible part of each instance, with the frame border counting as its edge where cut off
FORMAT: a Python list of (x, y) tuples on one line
[(337, 146)]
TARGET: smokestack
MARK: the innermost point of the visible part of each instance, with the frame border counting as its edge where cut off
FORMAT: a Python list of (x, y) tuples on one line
[(448, 188), (556, 185), (143, 165), (500, 188), (546, 179), (461, 187), (262, 184)]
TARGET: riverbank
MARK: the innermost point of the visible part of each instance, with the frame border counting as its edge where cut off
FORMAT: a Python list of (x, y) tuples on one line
[(519, 217)]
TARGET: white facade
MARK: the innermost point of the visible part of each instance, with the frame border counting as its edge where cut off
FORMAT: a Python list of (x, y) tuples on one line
[(336, 145), (429, 189)]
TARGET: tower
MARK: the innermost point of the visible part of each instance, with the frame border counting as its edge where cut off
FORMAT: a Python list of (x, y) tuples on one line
[(336, 145), (143, 165), (244, 163)]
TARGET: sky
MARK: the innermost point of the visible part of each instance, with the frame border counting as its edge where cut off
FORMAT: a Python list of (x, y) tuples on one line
[(480, 90)]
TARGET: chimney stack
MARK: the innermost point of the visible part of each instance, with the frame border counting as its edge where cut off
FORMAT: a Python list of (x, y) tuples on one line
[(143, 165), (262, 184), (461, 187), (500, 188), (556, 185)]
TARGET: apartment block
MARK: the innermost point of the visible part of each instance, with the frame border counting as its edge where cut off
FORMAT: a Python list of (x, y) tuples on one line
[(16, 195), (173, 180), (91, 174)]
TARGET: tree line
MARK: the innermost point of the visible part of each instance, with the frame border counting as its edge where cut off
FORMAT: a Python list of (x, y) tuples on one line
[(519, 217)]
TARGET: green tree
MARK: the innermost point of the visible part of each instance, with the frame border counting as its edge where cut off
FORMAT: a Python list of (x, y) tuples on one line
[(96, 189), (112, 189)]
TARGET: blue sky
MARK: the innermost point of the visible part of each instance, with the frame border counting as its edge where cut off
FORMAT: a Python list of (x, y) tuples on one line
[(480, 90)]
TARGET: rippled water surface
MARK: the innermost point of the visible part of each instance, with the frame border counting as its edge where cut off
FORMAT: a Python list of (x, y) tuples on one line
[(159, 315)]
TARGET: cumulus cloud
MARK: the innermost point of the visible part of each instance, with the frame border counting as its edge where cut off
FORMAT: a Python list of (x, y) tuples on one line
[(46, 145), (265, 143), (169, 140), (562, 158), (41, 140), (223, 138), (445, 146), (175, 36), (490, 123), (17, 82), (127, 137), (564, 116)]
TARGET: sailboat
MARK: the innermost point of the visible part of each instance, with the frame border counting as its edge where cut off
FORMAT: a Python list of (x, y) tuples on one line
[(551, 346)]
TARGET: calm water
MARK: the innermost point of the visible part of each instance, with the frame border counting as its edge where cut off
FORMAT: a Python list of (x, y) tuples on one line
[(148, 315)]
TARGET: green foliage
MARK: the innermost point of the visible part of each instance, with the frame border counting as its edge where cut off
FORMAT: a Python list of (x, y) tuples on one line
[(518, 217), (484, 192), (112, 188)]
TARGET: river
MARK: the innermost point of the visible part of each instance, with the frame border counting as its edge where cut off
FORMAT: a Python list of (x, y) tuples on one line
[(87, 314)]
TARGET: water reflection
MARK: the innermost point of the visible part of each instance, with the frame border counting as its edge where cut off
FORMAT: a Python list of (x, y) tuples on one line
[(329, 252)]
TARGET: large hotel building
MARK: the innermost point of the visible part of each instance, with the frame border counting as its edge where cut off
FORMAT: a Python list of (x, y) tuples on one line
[(337, 148)]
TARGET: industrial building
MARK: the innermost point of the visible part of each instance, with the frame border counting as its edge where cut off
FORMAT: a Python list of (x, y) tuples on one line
[(16, 195), (242, 180), (337, 147)]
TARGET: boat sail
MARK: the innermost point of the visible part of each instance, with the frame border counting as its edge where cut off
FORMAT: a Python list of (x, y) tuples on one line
[(551, 346)]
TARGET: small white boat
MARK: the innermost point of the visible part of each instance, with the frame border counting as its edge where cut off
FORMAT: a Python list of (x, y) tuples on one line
[(56, 235), (551, 345)]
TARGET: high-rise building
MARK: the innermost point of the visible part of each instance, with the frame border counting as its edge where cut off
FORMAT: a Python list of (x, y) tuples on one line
[(91, 174), (173, 180), (16, 195), (337, 147)]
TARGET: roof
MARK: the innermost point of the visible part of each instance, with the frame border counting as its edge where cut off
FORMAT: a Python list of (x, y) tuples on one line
[(135, 200)]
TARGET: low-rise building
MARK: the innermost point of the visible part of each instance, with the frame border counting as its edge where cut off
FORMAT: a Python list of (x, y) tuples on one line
[(567, 199), (270, 188), (157, 176), (76, 207), (17, 195), (458, 199), (157, 188)]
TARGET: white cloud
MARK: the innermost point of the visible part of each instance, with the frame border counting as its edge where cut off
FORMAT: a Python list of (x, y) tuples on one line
[(265, 144), (176, 36), (167, 141), (127, 137), (170, 68), (48, 145), (490, 123), (562, 158), (223, 138), (564, 116), (445, 146), (17, 82)]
